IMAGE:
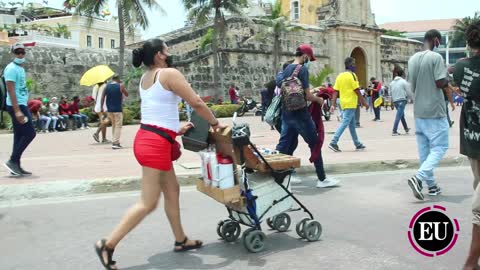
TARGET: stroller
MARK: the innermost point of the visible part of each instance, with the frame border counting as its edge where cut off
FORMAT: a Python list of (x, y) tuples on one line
[(267, 198)]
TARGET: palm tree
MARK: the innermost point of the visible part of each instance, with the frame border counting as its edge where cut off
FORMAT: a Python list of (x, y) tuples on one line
[(200, 12), (278, 25), (69, 4), (317, 80), (460, 27), (62, 30), (131, 13)]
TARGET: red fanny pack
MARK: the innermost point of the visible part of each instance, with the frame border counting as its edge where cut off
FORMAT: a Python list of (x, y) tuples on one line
[(176, 152)]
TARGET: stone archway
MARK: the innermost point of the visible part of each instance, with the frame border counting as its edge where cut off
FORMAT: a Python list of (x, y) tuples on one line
[(361, 65)]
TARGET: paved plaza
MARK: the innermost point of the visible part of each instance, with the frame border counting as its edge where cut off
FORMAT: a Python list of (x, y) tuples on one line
[(75, 156)]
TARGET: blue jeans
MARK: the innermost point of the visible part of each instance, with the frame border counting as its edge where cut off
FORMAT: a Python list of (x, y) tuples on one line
[(299, 123), (400, 106), (80, 119), (45, 122), (348, 120), (23, 134), (432, 141)]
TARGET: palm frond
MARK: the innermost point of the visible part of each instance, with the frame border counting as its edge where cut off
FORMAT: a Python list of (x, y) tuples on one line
[(461, 26), (317, 79), (200, 14)]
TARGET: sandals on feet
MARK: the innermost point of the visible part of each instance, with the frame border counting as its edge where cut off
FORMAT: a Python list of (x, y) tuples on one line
[(101, 250), (184, 247)]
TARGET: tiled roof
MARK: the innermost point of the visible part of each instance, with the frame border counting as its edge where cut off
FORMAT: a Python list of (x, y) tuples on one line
[(420, 26)]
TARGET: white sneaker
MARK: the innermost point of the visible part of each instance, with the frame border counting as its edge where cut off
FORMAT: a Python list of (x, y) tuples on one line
[(82, 127), (329, 182), (295, 180)]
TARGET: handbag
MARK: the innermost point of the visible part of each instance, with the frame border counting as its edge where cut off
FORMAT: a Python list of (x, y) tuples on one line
[(273, 112), (176, 152)]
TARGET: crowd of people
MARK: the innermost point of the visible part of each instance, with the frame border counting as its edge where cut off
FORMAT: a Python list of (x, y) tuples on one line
[(162, 87), (50, 116)]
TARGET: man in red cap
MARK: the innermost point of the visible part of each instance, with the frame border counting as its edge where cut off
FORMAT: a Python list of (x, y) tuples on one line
[(296, 119)]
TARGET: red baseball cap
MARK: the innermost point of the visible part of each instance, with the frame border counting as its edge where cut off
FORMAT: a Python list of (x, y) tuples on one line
[(307, 49)]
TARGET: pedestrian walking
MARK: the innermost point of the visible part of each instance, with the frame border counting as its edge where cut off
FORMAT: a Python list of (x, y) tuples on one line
[(467, 77), (428, 78), (161, 89), (232, 93), (17, 101), (400, 90), (103, 120), (112, 97), (376, 93), (296, 119), (348, 87)]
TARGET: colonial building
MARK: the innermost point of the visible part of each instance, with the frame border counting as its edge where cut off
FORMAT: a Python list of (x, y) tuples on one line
[(335, 28), (33, 24)]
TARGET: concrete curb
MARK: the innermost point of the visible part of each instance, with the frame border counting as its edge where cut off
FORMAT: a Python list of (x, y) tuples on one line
[(15, 192)]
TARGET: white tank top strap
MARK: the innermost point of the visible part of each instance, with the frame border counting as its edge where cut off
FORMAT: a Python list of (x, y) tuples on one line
[(159, 106)]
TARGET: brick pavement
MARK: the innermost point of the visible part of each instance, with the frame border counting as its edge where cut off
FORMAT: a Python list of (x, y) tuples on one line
[(75, 156)]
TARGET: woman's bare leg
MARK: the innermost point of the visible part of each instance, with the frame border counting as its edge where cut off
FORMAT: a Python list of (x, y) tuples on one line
[(148, 202), (171, 193)]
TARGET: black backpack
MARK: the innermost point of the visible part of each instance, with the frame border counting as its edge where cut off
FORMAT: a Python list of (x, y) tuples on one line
[(3, 93)]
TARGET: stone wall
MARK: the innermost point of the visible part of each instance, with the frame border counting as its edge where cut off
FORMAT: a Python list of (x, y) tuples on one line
[(247, 61), (246, 55), (397, 51), (57, 71)]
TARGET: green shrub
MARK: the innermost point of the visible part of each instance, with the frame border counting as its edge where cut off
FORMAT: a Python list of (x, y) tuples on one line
[(92, 116), (127, 116), (207, 38), (135, 108), (222, 111), (7, 121)]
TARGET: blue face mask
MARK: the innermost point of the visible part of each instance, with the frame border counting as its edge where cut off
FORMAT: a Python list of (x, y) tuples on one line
[(307, 63), (19, 61), (352, 69)]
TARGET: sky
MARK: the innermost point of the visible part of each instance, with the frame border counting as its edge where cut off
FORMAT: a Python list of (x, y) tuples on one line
[(385, 11)]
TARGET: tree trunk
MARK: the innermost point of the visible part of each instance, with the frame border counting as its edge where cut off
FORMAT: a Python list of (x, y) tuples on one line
[(121, 28), (276, 53), (217, 76)]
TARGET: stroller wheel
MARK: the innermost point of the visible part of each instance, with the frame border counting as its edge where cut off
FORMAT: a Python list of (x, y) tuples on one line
[(219, 227), (231, 231), (282, 222), (312, 230), (300, 227), (270, 223), (254, 240)]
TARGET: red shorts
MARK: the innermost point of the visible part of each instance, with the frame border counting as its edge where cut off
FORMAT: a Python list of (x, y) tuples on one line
[(153, 151)]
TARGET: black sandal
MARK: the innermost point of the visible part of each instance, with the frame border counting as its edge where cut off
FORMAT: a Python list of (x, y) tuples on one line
[(103, 248), (198, 244)]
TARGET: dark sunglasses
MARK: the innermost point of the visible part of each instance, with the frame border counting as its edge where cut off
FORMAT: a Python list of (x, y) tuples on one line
[(19, 52)]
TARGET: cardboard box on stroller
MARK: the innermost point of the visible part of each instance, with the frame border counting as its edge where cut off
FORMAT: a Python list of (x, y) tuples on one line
[(277, 161), (224, 196)]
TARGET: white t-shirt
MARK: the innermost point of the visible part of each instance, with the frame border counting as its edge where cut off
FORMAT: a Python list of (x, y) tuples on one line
[(97, 96)]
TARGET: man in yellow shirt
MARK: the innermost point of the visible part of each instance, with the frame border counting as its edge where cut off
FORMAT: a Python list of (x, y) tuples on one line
[(347, 86)]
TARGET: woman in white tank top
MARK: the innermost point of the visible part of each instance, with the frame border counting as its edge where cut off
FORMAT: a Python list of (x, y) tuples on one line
[(161, 89)]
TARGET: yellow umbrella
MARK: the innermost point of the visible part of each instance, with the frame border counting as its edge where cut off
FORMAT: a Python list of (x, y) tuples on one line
[(378, 102), (96, 75)]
